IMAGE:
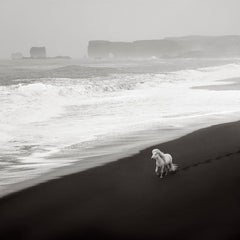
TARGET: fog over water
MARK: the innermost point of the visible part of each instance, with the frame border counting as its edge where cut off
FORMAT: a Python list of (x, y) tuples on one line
[(66, 26)]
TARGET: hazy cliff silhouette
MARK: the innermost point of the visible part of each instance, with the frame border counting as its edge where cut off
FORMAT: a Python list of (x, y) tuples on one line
[(189, 46)]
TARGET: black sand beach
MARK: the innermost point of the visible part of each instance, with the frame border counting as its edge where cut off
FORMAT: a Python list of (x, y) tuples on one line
[(125, 200)]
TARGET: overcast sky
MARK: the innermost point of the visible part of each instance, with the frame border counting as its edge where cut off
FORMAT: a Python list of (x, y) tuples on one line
[(65, 26)]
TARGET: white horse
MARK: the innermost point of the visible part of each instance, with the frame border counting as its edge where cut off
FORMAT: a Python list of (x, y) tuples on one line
[(163, 161)]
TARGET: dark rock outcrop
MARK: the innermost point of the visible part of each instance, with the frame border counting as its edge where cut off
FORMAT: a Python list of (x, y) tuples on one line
[(38, 52)]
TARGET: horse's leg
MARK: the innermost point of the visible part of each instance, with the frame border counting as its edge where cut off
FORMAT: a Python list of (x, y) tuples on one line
[(161, 172), (166, 169), (156, 170)]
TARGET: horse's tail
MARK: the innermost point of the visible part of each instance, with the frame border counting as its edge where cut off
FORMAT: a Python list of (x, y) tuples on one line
[(173, 167)]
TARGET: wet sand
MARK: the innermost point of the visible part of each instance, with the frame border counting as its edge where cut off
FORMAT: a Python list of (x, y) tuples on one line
[(126, 200)]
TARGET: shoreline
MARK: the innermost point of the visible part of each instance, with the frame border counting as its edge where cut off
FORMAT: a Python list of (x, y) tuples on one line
[(76, 144), (125, 200), (91, 162)]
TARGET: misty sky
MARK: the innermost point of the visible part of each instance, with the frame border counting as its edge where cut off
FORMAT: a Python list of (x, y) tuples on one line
[(65, 26)]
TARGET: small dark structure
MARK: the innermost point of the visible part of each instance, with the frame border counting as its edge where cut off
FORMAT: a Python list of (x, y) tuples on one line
[(38, 52)]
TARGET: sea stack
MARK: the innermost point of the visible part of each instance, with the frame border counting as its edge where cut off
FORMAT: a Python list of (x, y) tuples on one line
[(38, 52)]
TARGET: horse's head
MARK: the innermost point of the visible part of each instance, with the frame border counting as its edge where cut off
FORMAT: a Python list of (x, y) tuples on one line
[(155, 154)]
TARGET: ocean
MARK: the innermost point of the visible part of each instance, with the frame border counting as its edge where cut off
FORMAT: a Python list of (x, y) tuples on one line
[(62, 116)]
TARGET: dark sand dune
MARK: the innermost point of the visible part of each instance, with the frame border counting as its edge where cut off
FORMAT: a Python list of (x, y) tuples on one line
[(125, 200)]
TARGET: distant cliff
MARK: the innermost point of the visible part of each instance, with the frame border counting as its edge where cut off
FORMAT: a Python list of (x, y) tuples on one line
[(190, 46), (38, 52)]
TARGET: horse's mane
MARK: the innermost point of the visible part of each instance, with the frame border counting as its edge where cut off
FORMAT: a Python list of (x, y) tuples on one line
[(159, 152)]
